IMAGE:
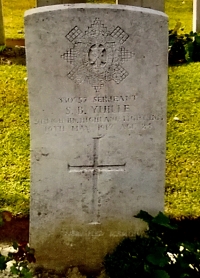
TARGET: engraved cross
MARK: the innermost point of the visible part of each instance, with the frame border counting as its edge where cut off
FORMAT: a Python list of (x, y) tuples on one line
[(96, 168)]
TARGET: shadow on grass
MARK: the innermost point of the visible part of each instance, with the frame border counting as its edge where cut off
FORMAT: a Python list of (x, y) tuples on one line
[(13, 55)]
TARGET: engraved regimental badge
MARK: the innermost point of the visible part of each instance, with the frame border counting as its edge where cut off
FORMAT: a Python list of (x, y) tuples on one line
[(97, 55)]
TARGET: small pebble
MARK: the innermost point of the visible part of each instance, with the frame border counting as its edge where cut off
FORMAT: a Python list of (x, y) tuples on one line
[(177, 119)]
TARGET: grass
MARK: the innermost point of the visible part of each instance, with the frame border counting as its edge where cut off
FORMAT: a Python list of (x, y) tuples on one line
[(180, 10), (183, 164), (183, 168), (14, 138), (13, 11)]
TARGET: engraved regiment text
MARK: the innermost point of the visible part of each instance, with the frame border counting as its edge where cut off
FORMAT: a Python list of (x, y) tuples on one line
[(100, 113)]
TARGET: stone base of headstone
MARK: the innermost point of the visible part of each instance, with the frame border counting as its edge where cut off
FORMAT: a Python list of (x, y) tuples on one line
[(151, 4)]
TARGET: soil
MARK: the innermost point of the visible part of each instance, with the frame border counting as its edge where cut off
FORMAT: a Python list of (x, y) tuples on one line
[(14, 229), (14, 42)]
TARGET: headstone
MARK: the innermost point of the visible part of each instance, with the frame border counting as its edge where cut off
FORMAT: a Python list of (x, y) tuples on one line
[(151, 4), (41, 3), (2, 37), (196, 16), (97, 92)]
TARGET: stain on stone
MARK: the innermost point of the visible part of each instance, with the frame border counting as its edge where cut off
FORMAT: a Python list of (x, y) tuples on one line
[(45, 154)]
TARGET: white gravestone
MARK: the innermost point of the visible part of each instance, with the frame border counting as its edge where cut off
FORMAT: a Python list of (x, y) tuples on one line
[(151, 4), (196, 16), (2, 37), (97, 93), (41, 3)]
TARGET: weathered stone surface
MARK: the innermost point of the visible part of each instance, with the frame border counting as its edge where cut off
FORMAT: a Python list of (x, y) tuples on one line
[(97, 79), (152, 4), (41, 3), (2, 37), (196, 15)]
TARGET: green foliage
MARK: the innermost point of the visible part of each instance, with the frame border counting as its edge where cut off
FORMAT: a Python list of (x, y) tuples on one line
[(177, 43), (183, 47), (22, 256), (24, 253), (158, 253), (1, 220), (21, 269), (3, 262), (2, 48)]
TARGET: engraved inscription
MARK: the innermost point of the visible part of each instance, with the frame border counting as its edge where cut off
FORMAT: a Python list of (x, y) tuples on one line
[(95, 168), (97, 55), (98, 114), (100, 233), (102, 123)]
